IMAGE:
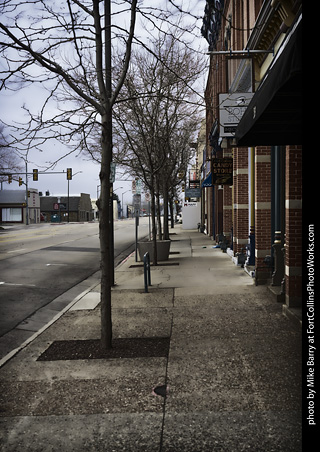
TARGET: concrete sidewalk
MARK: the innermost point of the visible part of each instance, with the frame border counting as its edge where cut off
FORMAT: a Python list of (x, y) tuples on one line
[(231, 380)]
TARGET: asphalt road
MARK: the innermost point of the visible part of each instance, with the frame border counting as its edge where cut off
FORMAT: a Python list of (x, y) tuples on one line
[(38, 263)]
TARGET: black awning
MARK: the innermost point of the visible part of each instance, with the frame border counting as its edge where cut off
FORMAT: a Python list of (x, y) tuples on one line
[(274, 115)]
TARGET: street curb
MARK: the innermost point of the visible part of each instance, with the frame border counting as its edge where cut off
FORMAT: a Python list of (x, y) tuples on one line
[(11, 354), (14, 352)]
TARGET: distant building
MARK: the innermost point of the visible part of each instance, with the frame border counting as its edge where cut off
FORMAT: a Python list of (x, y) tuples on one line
[(95, 209), (59, 208), (13, 206)]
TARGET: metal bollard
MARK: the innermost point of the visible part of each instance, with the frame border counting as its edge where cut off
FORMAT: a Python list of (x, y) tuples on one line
[(146, 269)]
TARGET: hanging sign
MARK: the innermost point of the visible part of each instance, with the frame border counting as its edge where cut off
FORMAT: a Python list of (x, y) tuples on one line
[(193, 193), (231, 110), (222, 171)]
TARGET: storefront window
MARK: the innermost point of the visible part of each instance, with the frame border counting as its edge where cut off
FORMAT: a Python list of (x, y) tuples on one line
[(12, 214)]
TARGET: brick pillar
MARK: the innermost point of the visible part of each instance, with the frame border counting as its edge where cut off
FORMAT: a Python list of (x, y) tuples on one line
[(227, 205), (241, 199), (227, 211), (262, 213), (293, 238), (234, 225), (209, 212)]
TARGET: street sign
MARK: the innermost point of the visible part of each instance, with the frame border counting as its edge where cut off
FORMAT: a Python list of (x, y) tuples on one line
[(112, 172), (138, 186), (136, 201), (193, 192)]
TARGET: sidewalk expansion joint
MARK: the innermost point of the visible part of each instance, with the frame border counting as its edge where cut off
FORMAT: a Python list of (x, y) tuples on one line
[(165, 386)]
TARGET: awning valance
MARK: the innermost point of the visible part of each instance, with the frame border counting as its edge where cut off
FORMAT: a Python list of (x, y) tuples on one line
[(274, 115), (207, 182)]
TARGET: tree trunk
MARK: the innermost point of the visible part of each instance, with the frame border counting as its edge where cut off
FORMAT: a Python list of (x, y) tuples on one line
[(159, 216), (171, 211), (165, 213), (105, 232), (154, 228)]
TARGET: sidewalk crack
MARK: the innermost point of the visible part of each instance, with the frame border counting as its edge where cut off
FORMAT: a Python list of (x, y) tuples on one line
[(166, 377)]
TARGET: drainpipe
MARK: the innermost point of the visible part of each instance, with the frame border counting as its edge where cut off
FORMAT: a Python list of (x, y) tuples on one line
[(277, 247)]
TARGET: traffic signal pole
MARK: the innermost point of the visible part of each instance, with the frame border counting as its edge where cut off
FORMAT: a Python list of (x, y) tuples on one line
[(27, 201)]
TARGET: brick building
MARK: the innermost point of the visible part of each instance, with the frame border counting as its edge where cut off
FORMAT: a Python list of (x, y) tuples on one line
[(253, 114), (57, 208), (13, 206)]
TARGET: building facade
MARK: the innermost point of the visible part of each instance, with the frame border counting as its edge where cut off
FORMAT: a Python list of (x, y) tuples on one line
[(64, 208), (253, 119), (13, 206)]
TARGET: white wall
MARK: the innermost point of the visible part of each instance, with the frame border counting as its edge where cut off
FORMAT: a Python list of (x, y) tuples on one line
[(191, 213)]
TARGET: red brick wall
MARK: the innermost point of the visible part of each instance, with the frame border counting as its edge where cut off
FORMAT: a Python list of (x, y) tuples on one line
[(262, 212), (293, 237), (241, 199), (227, 211)]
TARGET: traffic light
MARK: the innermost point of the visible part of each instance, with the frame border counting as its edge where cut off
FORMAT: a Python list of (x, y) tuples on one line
[(35, 174), (20, 181), (28, 193), (69, 173), (9, 178)]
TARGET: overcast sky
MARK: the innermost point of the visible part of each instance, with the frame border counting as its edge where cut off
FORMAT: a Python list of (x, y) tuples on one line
[(85, 172)]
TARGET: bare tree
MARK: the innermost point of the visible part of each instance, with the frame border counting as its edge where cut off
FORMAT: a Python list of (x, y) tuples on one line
[(156, 116), (67, 48), (9, 161), (64, 48)]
